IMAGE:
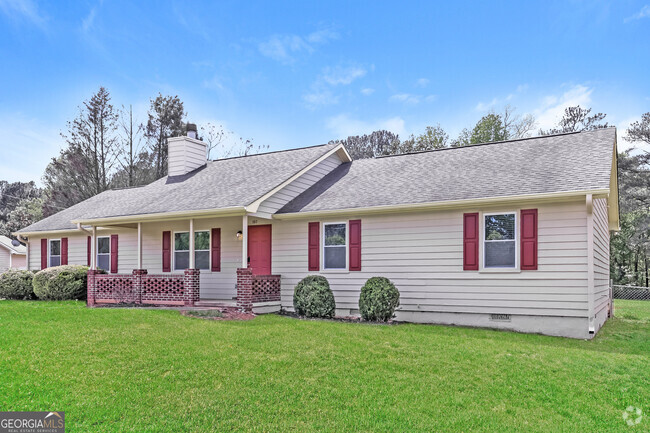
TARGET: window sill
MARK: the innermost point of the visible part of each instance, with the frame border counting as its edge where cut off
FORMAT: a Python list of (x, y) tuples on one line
[(334, 271), (499, 271)]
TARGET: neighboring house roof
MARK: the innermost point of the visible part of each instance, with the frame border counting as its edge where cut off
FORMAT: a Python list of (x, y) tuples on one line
[(6, 243), (540, 165), (221, 184)]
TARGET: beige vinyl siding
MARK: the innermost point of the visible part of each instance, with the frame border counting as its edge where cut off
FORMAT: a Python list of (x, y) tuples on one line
[(298, 186), (18, 261), (5, 259), (185, 155), (422, 253), (601, 255)]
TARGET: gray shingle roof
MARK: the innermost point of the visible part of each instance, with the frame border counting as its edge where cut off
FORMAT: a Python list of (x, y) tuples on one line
[(549, 164), (224, 183)]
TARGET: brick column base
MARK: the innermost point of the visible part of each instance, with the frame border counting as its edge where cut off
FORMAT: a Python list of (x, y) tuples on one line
[(191, 286), (90, 290), (245, 289), (137, 284)]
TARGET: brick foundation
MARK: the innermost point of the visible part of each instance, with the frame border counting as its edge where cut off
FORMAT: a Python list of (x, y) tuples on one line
[(252, 289), (142, 288), (191, 285), (245, 289)]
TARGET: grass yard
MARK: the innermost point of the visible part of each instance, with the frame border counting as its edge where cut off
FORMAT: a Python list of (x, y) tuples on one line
[(129, 370)]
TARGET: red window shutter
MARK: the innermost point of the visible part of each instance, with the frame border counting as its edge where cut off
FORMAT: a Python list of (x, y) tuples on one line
[(528, 240), (314, 246), (64, 251), (167, 252), (216, 250), (470, 241), (113, 254), (90, 242), (43, 253), (355, 245)]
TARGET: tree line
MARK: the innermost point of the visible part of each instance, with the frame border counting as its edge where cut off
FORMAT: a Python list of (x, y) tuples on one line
[(106, 147)]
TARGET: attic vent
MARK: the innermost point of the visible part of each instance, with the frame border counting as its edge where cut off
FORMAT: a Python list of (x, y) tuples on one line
[(500, 317)]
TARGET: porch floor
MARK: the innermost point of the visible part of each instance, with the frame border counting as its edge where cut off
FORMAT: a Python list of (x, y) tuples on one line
[(216, 303)]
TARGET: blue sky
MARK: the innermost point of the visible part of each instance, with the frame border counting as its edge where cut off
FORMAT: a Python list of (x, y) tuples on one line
[(291, 74)]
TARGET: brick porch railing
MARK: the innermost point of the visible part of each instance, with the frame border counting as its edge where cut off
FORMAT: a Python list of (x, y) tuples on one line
[(141, 288), (253, 289)]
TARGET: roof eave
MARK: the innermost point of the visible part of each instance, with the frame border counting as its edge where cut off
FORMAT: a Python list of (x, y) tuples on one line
[(448, 204), (163, 216)]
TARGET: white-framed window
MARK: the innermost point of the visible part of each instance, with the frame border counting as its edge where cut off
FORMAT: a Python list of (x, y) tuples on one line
[(55, 252), (104, 253), (335, 242), (500, 240), (201, 250)]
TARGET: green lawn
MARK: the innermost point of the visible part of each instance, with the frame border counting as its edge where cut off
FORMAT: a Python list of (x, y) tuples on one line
[(128, 370)]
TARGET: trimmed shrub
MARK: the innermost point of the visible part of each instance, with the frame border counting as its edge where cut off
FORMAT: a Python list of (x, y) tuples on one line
[(379, 298), (313, 297), (60, 283), (16, 284)]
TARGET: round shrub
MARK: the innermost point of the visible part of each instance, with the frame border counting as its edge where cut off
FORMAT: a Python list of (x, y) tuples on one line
[(60, 283), (379, 298), (16, 284), (313, 297)]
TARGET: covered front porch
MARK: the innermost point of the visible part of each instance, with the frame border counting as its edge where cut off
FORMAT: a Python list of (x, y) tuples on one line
[(206, 261)]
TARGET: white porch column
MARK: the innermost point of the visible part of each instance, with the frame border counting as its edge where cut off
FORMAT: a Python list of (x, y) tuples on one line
[(244, 242), (192, 264), (139, 245), (93, 250)]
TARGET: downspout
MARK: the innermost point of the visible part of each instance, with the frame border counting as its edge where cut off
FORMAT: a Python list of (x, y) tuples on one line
[(590, 263), (80, 227), (26, 239)]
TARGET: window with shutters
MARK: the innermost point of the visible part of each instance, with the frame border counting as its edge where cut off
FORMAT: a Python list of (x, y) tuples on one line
[(500, 240), (55, 252), (335, 246), (182, 250), (104, 253)]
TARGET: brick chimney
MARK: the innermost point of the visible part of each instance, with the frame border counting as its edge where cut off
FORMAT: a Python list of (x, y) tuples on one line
[(187, 153)]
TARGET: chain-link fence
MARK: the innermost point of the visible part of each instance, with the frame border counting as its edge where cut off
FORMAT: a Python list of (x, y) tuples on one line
[(631, 292)]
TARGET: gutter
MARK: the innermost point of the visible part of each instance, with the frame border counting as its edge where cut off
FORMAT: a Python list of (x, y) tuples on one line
[(450, 204), (163, 216)]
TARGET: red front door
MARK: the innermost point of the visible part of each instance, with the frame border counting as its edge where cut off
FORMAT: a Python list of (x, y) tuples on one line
[(259, 249)]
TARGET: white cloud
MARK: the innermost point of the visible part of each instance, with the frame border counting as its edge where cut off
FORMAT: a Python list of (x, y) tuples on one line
[(321, 90), (343, 125), (422, 82), (213, 83), (367, 91), (411, 99), (88, 22), (406, 98), (27, 9), (552, 108), (621, 132), (339, 75), (643, 13), (319, 97), (322, 36), (485, 106), (284, 48)]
